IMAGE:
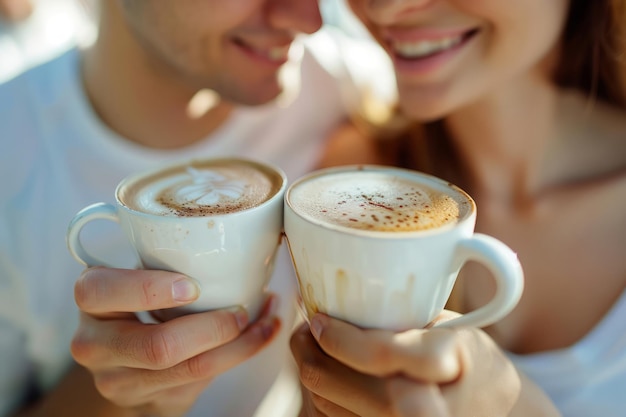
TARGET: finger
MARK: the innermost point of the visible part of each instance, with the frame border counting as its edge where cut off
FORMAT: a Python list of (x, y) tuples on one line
[(210, 364), (327, 408), (174, 402), (412, 399), (444, 316), (100, 291), (169, 402), (101, 344), (427, 355), (132, 386), (322, 375)]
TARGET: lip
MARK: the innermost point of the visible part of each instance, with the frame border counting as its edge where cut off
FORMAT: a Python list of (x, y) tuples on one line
[(261, 54), (422, 33), (421, 66)]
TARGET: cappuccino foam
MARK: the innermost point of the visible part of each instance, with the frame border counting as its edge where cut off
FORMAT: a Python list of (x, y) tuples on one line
[(202, 189), (377, 201)]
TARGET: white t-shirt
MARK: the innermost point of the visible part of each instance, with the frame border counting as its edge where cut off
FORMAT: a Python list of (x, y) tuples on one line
[(587, 379), (56, 157)]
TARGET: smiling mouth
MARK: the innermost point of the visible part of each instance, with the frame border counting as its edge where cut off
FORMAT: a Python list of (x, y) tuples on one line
[(276, 54), (421, 49)]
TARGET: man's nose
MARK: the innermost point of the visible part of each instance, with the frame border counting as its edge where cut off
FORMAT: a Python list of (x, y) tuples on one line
[(301, 16)]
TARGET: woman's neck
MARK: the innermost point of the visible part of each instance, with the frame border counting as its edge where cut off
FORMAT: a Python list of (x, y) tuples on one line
[(502, 141)]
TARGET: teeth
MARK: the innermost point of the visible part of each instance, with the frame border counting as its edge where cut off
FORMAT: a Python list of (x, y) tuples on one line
[(423, 48), (278, 53), (272, 53)]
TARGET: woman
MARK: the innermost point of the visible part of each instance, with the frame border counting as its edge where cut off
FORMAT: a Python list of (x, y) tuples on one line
[(522, 104)]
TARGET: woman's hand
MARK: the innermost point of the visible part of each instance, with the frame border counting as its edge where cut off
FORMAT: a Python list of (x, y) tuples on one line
[(436, 372), (158, 369)]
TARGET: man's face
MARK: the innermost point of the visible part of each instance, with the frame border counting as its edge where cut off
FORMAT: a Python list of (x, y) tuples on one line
[(235, 47)]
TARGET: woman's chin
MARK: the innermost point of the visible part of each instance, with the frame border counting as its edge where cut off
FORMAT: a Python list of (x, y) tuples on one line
[(423, 113)]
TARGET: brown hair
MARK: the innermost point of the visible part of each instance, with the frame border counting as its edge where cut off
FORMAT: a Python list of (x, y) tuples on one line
[(593, 56), (592, 60)]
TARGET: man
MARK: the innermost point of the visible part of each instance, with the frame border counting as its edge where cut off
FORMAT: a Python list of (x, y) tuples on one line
[(164, 80)]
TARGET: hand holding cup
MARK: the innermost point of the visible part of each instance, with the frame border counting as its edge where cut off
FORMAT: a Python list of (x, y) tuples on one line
[(377, 251), (206, 233), (381, 247), (217, 221), (438, 372), (159, 369)]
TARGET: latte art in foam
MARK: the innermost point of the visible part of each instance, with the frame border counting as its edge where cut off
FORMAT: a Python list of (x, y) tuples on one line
[(218, 187), (206, 188), (376, 201)]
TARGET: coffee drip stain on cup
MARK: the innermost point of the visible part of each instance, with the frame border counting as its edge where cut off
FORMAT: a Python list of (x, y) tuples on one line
[(345, 286), (381, 247)]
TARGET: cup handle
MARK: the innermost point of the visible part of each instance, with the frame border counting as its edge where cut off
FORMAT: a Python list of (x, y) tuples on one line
[(502, 262), (84, 216)]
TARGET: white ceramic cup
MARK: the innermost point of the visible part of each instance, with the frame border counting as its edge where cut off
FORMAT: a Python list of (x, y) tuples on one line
[(230, 255), (386, 278)]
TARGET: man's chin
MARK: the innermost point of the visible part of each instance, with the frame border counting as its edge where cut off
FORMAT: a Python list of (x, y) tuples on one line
[(257, 101), (258, 98)]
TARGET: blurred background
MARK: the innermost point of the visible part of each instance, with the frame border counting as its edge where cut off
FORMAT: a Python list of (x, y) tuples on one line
[(33, 31)]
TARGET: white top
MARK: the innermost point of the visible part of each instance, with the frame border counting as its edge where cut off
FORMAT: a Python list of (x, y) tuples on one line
[(56, 157), (587, 379)]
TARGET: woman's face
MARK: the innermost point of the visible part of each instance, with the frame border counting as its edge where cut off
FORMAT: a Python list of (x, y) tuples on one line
[(451, 53)]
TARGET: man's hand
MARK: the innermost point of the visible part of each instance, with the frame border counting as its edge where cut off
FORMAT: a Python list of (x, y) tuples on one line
[(161, 368)]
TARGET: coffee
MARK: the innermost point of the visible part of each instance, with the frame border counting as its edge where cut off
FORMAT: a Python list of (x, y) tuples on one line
[(163, 212), (202, 188), (381, 247), (378, 201)]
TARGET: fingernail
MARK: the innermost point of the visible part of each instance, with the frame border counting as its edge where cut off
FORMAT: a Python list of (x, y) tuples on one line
[(272, 305), (241, 316), (185, 290), (267, 326), (316, 327)]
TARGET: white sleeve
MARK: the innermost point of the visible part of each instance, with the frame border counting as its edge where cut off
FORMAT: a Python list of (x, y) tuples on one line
[(15, 369)]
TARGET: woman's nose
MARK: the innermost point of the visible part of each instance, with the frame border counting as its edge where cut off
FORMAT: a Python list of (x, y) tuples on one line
[(389, 11)]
